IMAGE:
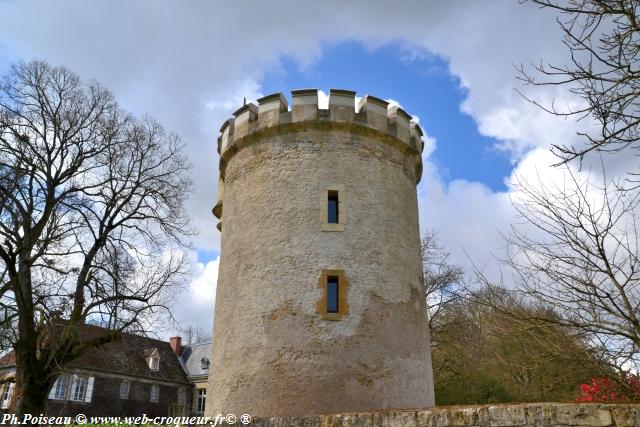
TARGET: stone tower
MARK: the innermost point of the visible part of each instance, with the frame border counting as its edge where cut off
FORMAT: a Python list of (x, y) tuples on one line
[(320, 301)]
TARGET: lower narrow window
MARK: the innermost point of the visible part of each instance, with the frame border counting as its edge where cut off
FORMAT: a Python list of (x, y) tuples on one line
[(332, 294)]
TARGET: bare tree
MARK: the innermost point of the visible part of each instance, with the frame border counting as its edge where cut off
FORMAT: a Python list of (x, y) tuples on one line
[(603, 38), (492, 348), (92, 225), (584, 260), (441, 278), (195, 334), (581, 256)]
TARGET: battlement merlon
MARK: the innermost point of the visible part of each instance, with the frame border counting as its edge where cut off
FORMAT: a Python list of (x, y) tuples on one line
[(391, 123), (273, 110)]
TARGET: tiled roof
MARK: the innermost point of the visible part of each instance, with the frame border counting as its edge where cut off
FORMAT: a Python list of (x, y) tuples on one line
[(8, 360), (125, 356), (192, 356)]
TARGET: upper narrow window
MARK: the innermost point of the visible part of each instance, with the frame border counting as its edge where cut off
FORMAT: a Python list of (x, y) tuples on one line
[(332, 294), (333, 210)]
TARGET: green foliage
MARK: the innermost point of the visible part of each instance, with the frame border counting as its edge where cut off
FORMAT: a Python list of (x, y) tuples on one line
[(471, 387), (489, 348)]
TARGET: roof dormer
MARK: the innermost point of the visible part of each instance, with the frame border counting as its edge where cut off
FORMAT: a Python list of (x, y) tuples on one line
[(153, 359), (204, 363)]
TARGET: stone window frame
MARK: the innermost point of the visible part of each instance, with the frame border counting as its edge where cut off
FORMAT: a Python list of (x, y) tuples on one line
[(326, 226), (343, 284)]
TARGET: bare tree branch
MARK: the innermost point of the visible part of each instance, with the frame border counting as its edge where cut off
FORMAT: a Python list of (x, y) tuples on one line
[(92, 225)]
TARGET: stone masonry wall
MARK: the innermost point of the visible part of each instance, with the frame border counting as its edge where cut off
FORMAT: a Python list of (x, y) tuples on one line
[(275, 351), (506, 415)]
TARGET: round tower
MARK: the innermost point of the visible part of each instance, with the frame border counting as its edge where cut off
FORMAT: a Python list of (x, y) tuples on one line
[(320, 306)]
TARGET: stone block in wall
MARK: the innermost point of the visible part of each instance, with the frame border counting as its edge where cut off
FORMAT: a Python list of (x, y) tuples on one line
[(460, 417), (542, 414), (626, 415), (505, 416), (584, 415)]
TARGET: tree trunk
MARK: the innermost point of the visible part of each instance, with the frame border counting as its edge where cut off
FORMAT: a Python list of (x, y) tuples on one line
[(31, 394), (32, 385)]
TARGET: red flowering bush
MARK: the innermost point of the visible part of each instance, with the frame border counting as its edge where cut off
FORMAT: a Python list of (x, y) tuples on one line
[(604, 389)]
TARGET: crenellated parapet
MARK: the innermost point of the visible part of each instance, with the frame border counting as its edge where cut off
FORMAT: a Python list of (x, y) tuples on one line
[(273, 116)]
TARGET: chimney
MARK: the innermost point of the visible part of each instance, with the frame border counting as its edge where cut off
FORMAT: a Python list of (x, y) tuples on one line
[(174, 342)]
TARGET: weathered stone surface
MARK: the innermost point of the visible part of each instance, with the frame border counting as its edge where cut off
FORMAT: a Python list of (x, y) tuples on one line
[(274, 353), (626, 415), (583, 415), (528, 415), (504, 416)]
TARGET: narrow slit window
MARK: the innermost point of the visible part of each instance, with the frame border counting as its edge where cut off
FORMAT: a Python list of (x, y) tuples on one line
[(333, 216), (332, 294)]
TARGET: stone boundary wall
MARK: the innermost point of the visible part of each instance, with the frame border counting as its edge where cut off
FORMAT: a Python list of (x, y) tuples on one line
[(505, 415)]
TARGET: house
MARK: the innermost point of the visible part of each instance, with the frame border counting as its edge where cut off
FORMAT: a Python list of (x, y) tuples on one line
[(132, 376), (195, 361)]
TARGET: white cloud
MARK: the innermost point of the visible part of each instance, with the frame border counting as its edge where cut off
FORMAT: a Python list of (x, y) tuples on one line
[(195, 303), (323, 100), (191, 65)]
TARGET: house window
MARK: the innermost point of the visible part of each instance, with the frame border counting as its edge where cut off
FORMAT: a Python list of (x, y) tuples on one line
[(333, 209), (155, 393), (332, 304), (332, 294), (182, 395), (7, 393), (124, 390), (202, 397), (79, 389), (60, 387), (154, 363)]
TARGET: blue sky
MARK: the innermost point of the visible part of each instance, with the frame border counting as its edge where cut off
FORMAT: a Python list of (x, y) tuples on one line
[(190, 64), (424, 87)]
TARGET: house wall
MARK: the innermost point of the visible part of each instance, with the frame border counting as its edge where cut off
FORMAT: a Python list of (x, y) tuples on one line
[(197, 385), (105, 400)]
